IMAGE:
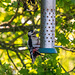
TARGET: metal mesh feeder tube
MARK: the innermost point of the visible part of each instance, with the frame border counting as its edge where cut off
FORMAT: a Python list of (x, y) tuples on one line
[(47, 33)]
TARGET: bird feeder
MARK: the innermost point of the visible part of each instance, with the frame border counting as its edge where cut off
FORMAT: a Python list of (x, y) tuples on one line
[(47, 33)]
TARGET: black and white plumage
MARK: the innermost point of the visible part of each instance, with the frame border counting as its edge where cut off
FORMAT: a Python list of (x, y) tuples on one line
[(33, 45)]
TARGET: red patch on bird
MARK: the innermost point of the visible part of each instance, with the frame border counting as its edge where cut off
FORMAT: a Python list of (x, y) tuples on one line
[(35, 49)]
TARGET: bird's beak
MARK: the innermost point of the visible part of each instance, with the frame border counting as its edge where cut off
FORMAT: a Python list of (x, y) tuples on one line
[(34, 33)]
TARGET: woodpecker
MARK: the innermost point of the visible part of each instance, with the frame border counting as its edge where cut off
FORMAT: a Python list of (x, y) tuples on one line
[(33, 45)]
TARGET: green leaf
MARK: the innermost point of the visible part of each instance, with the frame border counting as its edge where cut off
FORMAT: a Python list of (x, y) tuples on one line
[(23, 71), (73, 1)]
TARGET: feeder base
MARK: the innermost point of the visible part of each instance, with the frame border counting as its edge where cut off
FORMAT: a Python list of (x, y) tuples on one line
[(47, 50)]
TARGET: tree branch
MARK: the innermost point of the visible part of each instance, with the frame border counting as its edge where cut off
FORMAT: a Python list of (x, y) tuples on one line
[(20, 59), (62, 67), (5, 46), (16, 38), (18, 3), (71, 70), (23, 28), (11, 60), (67, 49), (9, 22)]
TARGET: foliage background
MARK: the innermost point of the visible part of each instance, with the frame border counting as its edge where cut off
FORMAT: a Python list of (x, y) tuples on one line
[(16, 18)]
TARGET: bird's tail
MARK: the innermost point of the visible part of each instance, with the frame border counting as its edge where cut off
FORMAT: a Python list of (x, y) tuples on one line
[(32, 56), (35, 54)]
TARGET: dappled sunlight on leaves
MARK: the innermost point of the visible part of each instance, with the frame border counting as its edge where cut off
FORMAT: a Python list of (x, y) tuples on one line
[(32, 71), (27, 61), (18, 41), (2, 16)]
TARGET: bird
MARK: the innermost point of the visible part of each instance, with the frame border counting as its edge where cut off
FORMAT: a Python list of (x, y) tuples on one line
[(33, 45)]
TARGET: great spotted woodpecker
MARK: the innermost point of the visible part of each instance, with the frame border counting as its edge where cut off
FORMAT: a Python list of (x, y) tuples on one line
[(33, 45)]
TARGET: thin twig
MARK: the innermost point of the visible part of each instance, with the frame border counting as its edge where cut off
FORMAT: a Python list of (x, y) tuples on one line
[(26, 21), (4, 46), (16, 38), (67, 49), (71, 70), (20, 59), (38, 20), (24, 54), (9, 22), (38, 2), (11, 60), (18, 1), (62, 67)]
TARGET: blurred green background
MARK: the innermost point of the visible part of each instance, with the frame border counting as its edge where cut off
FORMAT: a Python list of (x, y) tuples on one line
[(17, 17)]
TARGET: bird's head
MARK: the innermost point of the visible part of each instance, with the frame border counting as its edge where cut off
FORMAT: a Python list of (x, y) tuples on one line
[(32, 33)]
